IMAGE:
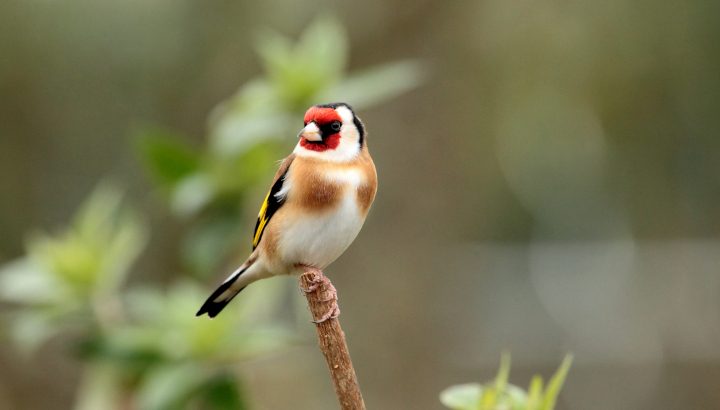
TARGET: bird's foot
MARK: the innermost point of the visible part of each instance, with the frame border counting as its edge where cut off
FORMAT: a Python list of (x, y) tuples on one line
[(334, 310), (317, 284), (319, 277)]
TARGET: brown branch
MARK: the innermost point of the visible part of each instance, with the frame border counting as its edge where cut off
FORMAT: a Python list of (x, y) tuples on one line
[(332, 344)]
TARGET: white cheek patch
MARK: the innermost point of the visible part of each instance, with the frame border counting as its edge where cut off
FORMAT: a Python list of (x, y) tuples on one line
[(346, 115)]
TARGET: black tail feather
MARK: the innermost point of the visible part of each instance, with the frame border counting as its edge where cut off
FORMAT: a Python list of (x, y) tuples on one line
[(211, 307)]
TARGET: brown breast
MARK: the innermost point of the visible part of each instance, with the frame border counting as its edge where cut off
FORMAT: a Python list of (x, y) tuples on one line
[(317, 193)]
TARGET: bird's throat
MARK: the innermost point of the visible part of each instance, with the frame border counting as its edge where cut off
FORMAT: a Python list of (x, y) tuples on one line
[(331, 142)]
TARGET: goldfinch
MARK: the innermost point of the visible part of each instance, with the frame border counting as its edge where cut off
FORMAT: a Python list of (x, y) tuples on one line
[(316, 206)]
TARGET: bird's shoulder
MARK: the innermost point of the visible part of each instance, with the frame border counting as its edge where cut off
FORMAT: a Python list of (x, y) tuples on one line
[(284, 165)]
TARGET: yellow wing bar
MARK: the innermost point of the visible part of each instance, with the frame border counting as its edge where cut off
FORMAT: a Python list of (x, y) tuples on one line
[(273, 202), (262, 221)]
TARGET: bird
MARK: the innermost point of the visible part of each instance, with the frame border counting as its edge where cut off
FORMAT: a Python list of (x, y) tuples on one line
[(316, 206)]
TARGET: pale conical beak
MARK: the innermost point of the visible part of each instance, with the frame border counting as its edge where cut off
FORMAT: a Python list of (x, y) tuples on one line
[(311, 132)]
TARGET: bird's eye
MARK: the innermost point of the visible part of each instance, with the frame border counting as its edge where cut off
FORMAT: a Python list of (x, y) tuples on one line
[(335, 125)]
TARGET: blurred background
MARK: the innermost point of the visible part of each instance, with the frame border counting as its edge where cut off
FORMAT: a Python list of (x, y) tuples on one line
[(548, 183)]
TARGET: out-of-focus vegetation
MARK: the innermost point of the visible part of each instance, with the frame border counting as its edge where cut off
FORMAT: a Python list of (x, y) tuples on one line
[(501, 395), (142, 345)]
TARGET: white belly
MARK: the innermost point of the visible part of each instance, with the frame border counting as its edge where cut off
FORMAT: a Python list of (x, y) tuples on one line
[(319, 240)]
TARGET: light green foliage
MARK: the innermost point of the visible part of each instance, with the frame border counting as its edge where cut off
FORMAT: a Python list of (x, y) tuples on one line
[(73, 278), (140, 339), (500, 395), (376, 85), (142, 345), (143, 338), (297, 71), (191, 351), (164, 323), (171, 159)]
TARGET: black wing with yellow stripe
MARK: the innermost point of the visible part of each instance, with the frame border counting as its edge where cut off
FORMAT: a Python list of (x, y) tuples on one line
[(271, 205)]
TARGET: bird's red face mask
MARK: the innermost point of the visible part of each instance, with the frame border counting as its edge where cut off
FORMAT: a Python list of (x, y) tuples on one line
[(322, 129)]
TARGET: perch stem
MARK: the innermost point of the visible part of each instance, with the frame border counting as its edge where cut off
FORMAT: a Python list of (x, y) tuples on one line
[(332, 341)]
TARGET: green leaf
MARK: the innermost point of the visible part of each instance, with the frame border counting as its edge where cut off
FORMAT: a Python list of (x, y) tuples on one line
[(209, 242), (170, 387), (503, 373), (259, 305), (192, 194), (276, 52), (71, 259), (324, 44), (300, 71), (109, 236), (262, 340), (168, 158), (490, 398), (123, 247), (555, 384), (187, 335), (494, 394), (233, 177), (96, 216), (235, 134), (32, 328), (462, 397), (132, 351), (223, 393), (516, 397), (257, 97), (95, 253), (100, 387), (534, 392), (23, 281), (376, 85)]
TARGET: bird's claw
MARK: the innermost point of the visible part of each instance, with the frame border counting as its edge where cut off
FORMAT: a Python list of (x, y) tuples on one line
[(333, 313), (310, 289), (319, 278), (315, 285)]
